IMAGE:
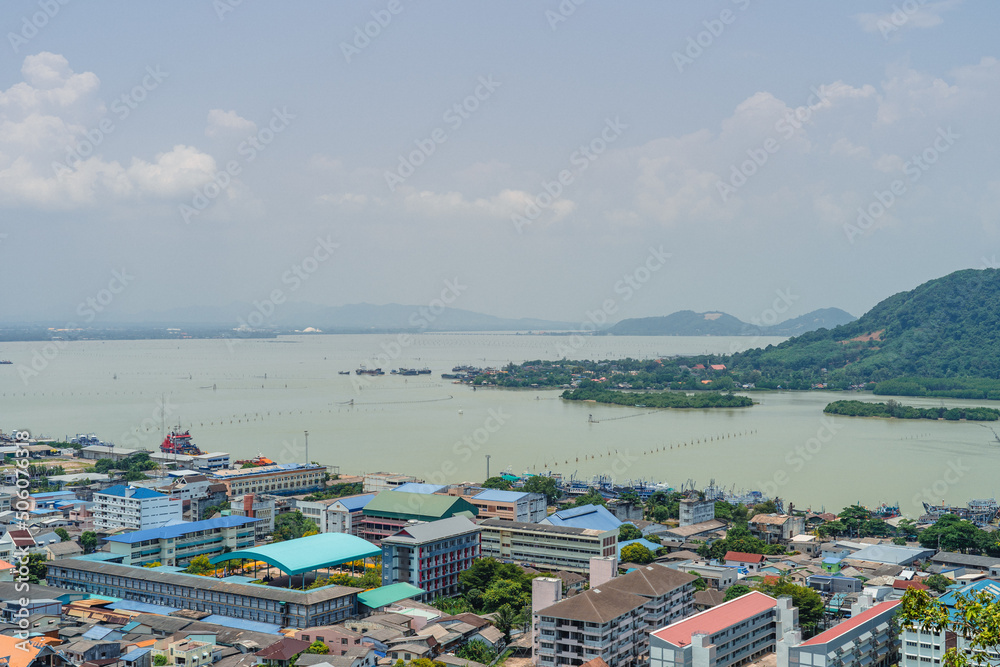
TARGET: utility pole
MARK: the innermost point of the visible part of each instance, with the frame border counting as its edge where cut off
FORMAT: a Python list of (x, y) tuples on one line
[(487, 466), (307, 447)]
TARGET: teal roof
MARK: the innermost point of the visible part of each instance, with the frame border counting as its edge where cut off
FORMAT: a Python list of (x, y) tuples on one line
[(419, 506), (380, 597), (307, 553)]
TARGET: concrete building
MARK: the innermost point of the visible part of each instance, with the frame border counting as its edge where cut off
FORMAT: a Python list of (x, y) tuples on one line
[(776, 528), (867, 638), (210, 462), (920, 647), (612, 619), (391, 511), (696, 511), (749, 562), (545, 546), (732, 633), (719, 578), (335, 515), (377, 482), (431, 555), (280, 479), (283, 607), (197, 493), (510, 505), (178, 544), (134, 508), (256, 506)]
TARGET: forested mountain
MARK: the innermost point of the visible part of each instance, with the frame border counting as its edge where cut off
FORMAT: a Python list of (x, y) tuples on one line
[(715, 323)]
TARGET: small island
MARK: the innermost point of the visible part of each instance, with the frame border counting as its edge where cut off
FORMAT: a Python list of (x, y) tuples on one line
[(657, 400), (893, 410)]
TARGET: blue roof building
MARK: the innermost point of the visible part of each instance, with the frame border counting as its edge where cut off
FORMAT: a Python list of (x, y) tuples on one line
[(596, 517), (178, 543), (416, 487), (134, 508)]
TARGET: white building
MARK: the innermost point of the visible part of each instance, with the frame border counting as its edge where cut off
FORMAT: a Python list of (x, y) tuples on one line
[(255, 506), (696, 511), (921, 648), (867, 638), (134, 508)]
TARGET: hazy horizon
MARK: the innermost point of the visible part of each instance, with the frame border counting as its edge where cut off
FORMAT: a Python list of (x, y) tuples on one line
[(521, 160)]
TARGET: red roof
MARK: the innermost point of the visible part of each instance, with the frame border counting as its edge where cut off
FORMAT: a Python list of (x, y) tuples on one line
[(744, 557), (853, 622), (902, 585), (718, 367), (717, 618)]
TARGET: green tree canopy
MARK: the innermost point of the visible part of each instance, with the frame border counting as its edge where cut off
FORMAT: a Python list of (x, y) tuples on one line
[(318, 648), (546, 485), (62, 533), (938, 583), (88, 540), (497, 483), (808, 601), (292, 525), (735, 591), (504, 592), (636, 553), (200, 565), (628, 532)]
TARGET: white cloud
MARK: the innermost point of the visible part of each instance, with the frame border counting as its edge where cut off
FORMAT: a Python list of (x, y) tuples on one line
[(917, 14), (228, 123)]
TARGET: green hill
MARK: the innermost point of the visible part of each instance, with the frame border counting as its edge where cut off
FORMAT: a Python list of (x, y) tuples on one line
[(945, 328)]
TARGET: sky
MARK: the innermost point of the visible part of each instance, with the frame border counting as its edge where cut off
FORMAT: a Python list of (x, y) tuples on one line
[(570, 160)]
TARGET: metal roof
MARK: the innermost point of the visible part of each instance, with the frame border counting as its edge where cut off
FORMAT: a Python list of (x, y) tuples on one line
[(355, 503), (138, 493), (403, 505), (242, 624), (180, 529), (422, 533), (417, 487), (144, 607), (498, 496), (386, 595), (586, 516), (307, 553)]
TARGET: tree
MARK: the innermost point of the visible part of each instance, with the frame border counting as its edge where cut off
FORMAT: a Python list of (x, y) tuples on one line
[(504, 592), (155, 563), (477, 650), (950, 533), (636, 553), (160, 660), (318, 647), (546, 485), (63, 534), (975, 618), (134, 476), (766, 507), (497, 483), (292, 525), (735, 591), (853, 517), (504, 619), (36, 568), (591, 497), (200, 565), (699, 583), (808, 601), (628, 532), (103, 465), (938, 583), (88, 540)]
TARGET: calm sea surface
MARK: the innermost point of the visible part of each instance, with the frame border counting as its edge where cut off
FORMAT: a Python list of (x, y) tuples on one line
[(260, 396)]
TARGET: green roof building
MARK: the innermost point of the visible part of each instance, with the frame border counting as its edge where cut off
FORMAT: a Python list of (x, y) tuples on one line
[(390, 511)]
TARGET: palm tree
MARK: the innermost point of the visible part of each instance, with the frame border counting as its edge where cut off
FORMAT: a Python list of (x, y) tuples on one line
[(504, 619)]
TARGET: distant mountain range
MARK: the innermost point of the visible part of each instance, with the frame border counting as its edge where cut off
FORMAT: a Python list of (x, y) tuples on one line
[(715, 323), (360, 317)]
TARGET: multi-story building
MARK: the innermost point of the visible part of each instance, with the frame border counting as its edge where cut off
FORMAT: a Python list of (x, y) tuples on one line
[(595, 517), (281, 479), (134, 508), (611, 620), (510, 505), (867, 638), (391, 511), (288, 608), (335, 515), (732, 633), (775, 528), (256, 506), (178, 544), (431, 555), (196, 492), (377, 482), (210, 461), (696, 511), (185, 652), (923, 647), (546, 546)]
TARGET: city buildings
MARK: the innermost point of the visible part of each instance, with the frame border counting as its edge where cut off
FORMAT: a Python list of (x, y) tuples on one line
[(281, 479), (867, 638), (696, 511), (178, 544), (255, 506), (510, 505), (390, 511), (546, 546), (595, 517), (732, 633), (134, 508), (431, 555), (922, 647), (376, 482), (775, 528), (335, 515)]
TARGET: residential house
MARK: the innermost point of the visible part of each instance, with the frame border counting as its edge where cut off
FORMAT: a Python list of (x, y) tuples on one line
[(776, 528)]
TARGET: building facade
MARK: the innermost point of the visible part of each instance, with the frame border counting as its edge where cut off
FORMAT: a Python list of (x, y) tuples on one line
[(696, 511), (335, 515), (178, 544), (921, 648), (431, 555), (867, 638), (377, 482), (774, 528), (510, 505), (255, 506), (732, 633), (280, 479), (545, 546), (288, 608), (134, 508), (391, 511)]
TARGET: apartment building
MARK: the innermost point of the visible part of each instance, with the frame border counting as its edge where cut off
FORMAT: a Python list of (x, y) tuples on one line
[(732, 633), (256, 506), (134, 508), (335, 515), (696, 511), (921, 648), (867, 638), (510, 505), (546, 546), (431, 555), (281, 479), (391, 511), (179, 543)]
